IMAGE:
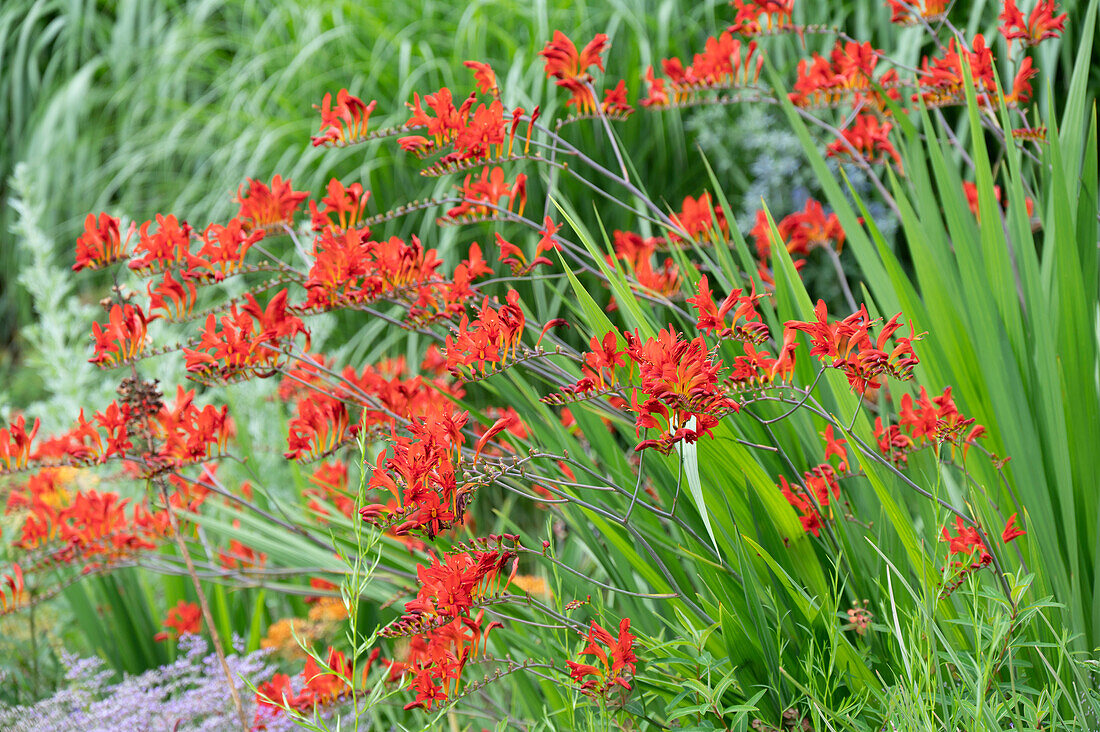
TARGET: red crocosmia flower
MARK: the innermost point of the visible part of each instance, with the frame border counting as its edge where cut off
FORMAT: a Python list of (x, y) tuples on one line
[(835, 446), (599, 370), (747, 20), (910, 12), (892, 442), (922, 420), (821, 485), (450, 588), (725, 63), (437, 655), (513, 256), (942, 78), (318, 686), (965, 541), (325, 686), (175, 298), (346, 204), (571, 68), (420, 476), (330, 482), (1011, 530), (263, 207), (95, 525), (240, 556), (1040, 25), (681, 394), (321, 426), (847, 75), (869, 138), (169, 246), (101, 243), (802, 231), (746, 325), (638, 253), (656, 95), (614, 660), (614, 101), (1021, 84), (504, 423), (605, 356), (191, 434), (484, 77), (224, 247), (548, 238), (490, 339), (488, 189), (122, 339), (447, 119), (184, 618), (443, 633), (697, 218), (475, 134), (247, 340), (757, 368), (847, 345), (12, 590), (15, 443), (936, 420), (345, 123)]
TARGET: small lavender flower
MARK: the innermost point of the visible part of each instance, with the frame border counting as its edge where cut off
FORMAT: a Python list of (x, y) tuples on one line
[(188, 695)]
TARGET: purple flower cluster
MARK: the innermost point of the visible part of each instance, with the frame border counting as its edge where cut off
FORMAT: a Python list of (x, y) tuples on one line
[(189, 694)]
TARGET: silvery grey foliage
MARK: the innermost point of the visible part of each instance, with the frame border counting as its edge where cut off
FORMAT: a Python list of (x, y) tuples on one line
[(55, 345), (187, 695), (777, 171)]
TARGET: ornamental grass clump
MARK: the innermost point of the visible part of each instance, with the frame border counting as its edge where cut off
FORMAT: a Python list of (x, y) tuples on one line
[(633, 477)]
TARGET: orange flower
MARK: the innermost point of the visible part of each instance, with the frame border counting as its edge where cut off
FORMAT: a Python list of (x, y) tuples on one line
[(697, 217), (122, 339), (170, 245), (484, 77), (869, 138), (347, 204), (12, 590), (571, 68), (615, 660), (942, 78), (802, 231), (847, 75), (965, 541), (910, 12), (724, 63), (184, 618), (174, 297), (15, 443), (747, 20), (1011, 531), (224, 247), (614, 101), (100, 244), (712, 318), (488, 189), (656, 96), (248, 340), (344, 124), (263, 207), (1040, 25)]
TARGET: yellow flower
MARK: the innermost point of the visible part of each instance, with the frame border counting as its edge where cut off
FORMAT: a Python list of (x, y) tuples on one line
[(532, 585)]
